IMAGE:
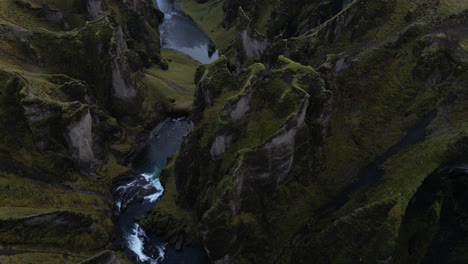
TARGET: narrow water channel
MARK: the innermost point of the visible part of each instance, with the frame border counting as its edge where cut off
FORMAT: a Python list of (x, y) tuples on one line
[(179, 32), (136, 194)]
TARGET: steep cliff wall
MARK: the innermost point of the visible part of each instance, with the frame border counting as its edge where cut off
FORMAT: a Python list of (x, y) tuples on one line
[(335, 179), (70, 108)]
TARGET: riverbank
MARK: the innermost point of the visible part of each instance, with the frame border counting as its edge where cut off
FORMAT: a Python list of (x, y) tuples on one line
[(136, 193), (209, 17), (178, 31)]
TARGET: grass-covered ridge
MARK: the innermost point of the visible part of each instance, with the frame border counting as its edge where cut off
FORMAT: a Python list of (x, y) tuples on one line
[(173, 87), (392, 78), (210, 16), (62, 67)]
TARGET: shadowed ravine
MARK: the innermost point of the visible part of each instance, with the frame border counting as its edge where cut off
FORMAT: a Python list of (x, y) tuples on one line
[(136, 194), (370, 175)]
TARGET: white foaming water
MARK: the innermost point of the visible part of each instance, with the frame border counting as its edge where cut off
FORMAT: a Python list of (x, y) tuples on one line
[(125, 187), (146, 249), (156, 183), (135, 242)]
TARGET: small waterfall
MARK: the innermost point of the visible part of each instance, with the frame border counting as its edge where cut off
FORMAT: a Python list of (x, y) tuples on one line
[(137, 193)]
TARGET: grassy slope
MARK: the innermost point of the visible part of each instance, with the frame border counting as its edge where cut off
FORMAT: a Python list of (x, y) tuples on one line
[(377, 100), (391, 101), (209, 17), (167, 218), (22, 194), (174, 87)]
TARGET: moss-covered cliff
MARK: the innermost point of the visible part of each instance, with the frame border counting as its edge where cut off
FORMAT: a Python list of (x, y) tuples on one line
[(330, 131), (320, 128), (81, 85)]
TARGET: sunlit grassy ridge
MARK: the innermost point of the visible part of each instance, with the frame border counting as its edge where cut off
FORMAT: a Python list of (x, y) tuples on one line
[(174, 87)]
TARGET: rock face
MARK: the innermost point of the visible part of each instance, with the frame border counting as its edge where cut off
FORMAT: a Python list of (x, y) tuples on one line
[(71, 108), (64, 129), (265, 162), (252, 46), (277, 155), (79, 138), (323, 170), (94, 7), (433, 229), (220, 144), (42, 228)]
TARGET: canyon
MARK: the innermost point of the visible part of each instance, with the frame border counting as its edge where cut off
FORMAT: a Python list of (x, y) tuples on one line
[(233, 131)]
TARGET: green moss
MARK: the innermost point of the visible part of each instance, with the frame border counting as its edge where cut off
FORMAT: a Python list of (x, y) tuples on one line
[(353, 238), (24, 199), (209, 16), (173, 88), (452, 7), (167, 218), (8, 213), (93, 62), (14, 14), (42, 257), (275, 99), (464, 44), (263, 17), (54, 229), (105, 257)]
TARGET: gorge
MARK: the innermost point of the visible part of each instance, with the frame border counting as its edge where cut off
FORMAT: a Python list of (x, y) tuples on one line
[(135, 196), (233, 131)]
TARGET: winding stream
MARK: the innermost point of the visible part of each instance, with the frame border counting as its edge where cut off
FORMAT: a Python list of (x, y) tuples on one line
[(136, 194), (178, 31)]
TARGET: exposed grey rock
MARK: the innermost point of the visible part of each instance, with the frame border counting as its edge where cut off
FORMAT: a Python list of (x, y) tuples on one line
[(273, 160), (220, 145), (40, 116), (121, 87), (121, 81), (241, 108), (54, 15), (94, 8), (340, 65), (79, 139), (253, 47)]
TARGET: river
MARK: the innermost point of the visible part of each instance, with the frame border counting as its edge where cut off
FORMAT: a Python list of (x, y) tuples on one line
[(135, 194), (179, 32)]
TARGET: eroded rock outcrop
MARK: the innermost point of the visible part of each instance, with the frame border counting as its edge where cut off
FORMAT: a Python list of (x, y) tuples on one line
[(331, 185), (252, 43), (94, 7), (433, 229), (265, 161), (70, 111)]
